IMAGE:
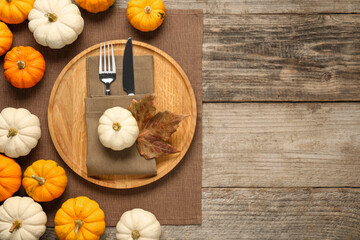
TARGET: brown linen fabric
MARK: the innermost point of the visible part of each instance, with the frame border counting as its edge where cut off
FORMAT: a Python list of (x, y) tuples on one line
[(105, 161), (176, 198)]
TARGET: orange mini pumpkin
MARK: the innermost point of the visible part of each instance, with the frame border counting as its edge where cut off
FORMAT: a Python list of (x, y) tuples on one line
[(44, 180), (15, 11), (6, 38), (10, 177), (24, 67), (79, 218), (95, 6), (145, 15)]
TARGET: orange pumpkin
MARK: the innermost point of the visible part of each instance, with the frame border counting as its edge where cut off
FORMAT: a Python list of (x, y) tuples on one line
[(10, 177), (24, 67), (145, 15), (6, 38), (79, 218), (44, 180), (95, 6), (15, 11)]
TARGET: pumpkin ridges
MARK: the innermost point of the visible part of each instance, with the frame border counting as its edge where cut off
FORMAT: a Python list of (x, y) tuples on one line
[(52, 188), (6, 38), (16, 11), (73, 209), (152, 12), (22, 78), (89, 227), (10, 174)]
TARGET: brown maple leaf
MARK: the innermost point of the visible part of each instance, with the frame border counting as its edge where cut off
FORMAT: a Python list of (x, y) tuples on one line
[(155, 129), (143, 110)]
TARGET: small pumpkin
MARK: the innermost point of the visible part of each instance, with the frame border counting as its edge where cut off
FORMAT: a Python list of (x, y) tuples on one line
[(145, 15), (24, 67), (95, 6), (55, 23), (79, 219), (15, 11), (138, 224), (19, 131), (10, 177), (117, 129), (21, 219), (6, 38), (44, 180)]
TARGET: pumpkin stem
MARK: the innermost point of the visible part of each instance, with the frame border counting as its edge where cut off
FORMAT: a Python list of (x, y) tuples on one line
[(135, 234), (78, 225), (16, 225), (116, 126), (147, 9), (41, 180), (21, 64), (52, 17), (9, 1), (12, 132)]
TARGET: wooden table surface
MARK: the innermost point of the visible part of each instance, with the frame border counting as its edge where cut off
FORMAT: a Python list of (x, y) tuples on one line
[(281, 120)]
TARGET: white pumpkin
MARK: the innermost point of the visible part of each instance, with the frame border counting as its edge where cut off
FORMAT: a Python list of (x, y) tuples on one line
[(138, 224), (117, 128), (55, 23), (19, 132), (21, 219)]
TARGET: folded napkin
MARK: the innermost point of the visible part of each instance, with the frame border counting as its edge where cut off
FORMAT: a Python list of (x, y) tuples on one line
[(101, 160)]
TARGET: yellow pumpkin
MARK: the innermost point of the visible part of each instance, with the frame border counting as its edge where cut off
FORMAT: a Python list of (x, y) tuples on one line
[(24, 66), (95, 6), (44, 180), (10, 177), (15, 11), (79, 219), (6, 38), (145, 15)]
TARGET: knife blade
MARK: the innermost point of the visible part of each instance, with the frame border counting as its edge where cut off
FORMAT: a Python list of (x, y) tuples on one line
[(128, 69)]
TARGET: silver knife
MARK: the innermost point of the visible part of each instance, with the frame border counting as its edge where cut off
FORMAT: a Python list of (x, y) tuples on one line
[(128, 69)]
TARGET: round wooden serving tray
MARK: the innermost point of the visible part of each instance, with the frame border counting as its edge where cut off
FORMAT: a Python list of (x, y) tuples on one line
[(66, 112)]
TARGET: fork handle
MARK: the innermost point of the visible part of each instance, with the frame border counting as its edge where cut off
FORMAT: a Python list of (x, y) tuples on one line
[(107, 91)]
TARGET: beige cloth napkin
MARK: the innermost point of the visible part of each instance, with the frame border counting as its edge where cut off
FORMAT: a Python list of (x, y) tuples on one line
[(101, 160)]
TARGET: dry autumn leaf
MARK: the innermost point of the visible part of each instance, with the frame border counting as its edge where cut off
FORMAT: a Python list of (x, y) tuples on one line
[(155, 129)]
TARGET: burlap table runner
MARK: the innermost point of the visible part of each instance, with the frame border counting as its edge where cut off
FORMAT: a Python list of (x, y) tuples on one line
[(105, 161), (175, 198)]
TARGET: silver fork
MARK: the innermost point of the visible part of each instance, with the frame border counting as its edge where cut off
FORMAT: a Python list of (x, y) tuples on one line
[(107, 68)]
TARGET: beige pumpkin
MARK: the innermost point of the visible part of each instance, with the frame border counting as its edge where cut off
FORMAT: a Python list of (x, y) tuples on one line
[(138, 224), (21, 219), (117, 129), (19, 132), (55, 23)]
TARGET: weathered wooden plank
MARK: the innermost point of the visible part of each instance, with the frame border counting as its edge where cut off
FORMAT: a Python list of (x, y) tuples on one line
[(280, 213), (262, 6), (281, 57), (281, 145)]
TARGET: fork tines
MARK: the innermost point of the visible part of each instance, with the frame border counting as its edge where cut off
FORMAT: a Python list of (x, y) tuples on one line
[(107, 67)]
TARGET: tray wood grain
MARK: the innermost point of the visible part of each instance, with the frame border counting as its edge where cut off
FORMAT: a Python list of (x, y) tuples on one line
[(66, 112)]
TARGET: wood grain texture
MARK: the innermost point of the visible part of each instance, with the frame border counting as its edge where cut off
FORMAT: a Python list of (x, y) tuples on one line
[(277, 213), (262, 6), (66, 113), (281, 145), (281, 58)]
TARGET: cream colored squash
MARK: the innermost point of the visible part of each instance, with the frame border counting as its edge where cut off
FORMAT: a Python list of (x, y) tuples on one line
[(55, 23), (138, 224), (19, 132), (21, 219), (117, 128)]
